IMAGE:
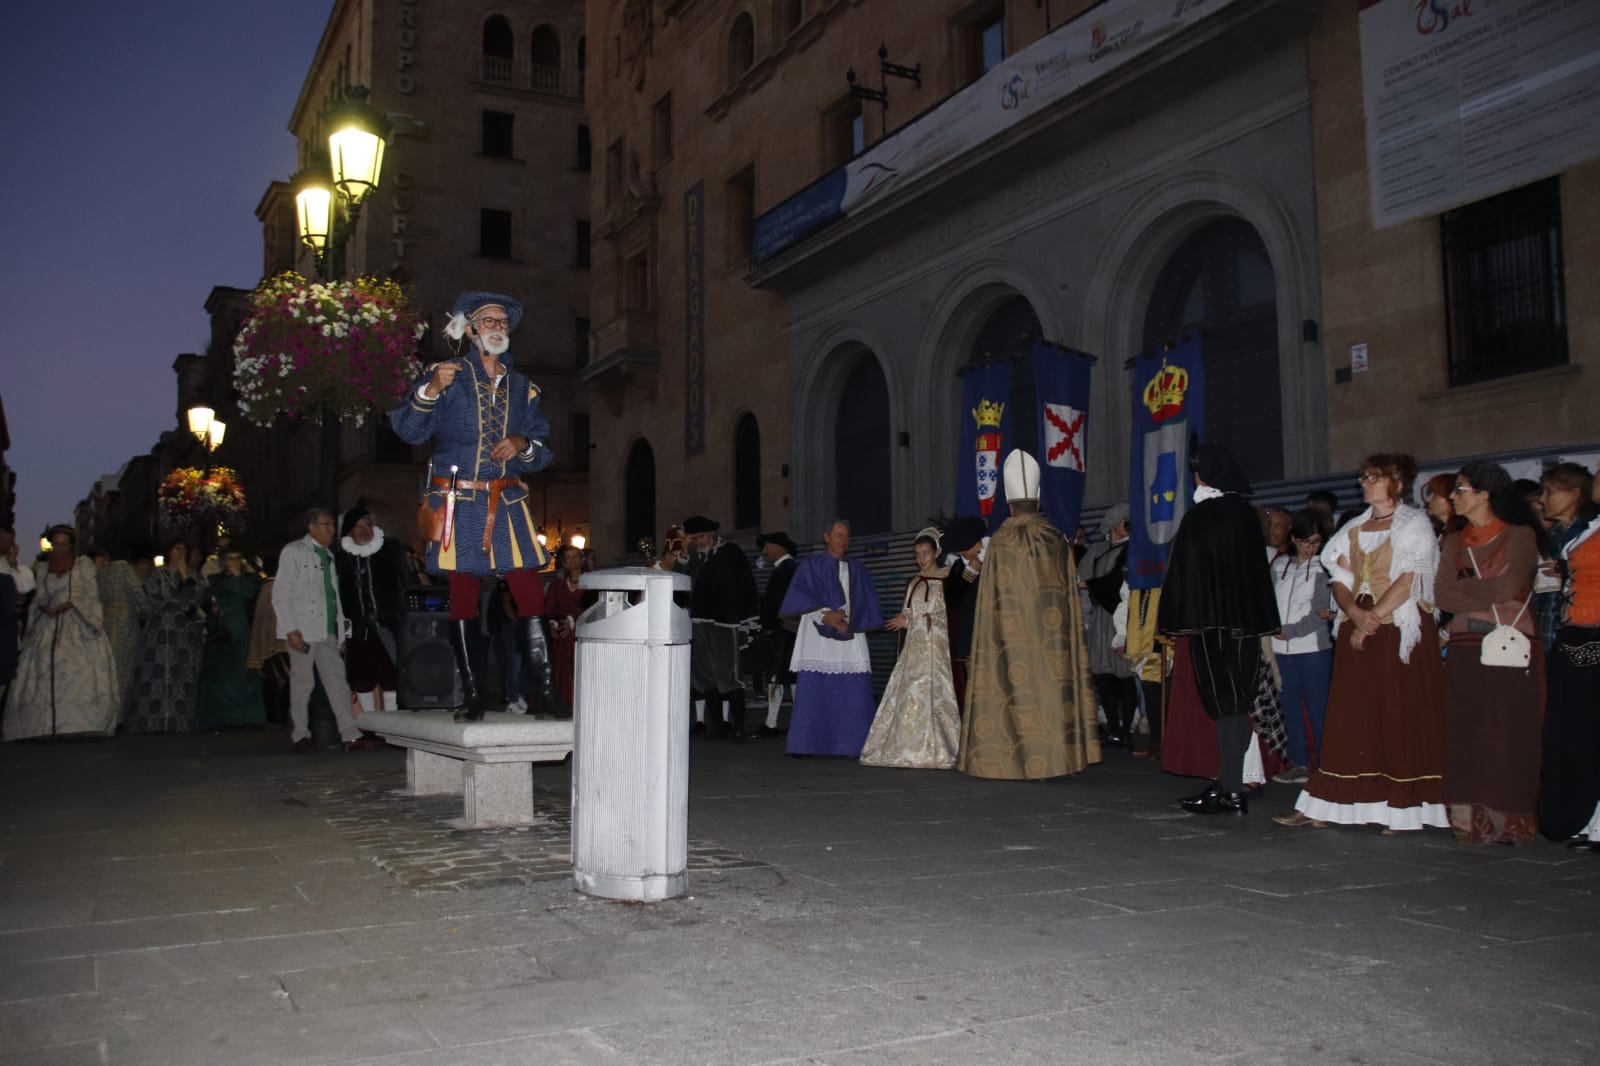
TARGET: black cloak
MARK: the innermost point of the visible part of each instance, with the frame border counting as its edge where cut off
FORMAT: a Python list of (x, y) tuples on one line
[(724, 587), (1217, 576)]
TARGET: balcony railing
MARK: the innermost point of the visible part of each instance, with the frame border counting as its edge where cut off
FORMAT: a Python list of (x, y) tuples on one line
[(537, 77), (497, 70)]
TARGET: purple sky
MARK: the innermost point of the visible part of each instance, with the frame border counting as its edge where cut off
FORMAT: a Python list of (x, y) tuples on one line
[(138, 140)]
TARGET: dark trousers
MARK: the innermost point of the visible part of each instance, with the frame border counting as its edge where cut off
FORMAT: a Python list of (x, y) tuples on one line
[(1225, 673), (1120, 697)]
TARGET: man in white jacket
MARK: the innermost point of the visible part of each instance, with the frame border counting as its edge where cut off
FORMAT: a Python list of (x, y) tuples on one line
[(305, 598)]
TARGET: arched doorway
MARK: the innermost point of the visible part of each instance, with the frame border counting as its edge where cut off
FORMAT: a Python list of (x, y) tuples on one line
[(1008, 333), (1219, 285), (862, 475), (639, 497), (746, 472)]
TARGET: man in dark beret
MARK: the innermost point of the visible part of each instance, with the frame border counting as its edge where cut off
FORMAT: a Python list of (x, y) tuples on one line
[(721, 605)]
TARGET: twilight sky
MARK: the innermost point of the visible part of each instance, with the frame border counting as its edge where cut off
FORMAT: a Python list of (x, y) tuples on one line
[(138, 140)]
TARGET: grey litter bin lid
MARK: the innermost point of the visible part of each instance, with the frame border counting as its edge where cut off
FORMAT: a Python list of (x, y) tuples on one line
[(635, 607)]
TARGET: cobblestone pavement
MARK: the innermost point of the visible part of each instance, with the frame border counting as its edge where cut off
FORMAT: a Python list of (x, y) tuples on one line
[(411, 836), (215, 901)]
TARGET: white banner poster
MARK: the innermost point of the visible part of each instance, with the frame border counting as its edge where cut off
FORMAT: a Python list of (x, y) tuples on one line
[(1107, 36), (1468, 98)]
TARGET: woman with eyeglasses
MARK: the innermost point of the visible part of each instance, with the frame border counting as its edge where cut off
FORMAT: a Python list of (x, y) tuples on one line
[(1303, 648), (1382, 753), (1492, 711), (1436, 500), (1569, 785)]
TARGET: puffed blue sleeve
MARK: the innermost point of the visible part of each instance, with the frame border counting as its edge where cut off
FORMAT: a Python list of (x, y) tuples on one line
[(535, 429), (416, 418)]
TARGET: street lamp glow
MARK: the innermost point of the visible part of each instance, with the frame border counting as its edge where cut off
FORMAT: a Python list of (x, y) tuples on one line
[(200, 419), (542, 539), (215, 433), (355, 144), (313, 202), (578, 540), (160, 560), (45, 545)]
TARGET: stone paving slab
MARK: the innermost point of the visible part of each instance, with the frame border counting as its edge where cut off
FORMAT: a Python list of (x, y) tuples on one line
[(193, 899)]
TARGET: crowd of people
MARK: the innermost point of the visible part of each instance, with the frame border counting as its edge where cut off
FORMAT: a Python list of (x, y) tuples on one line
[(1408, 667)]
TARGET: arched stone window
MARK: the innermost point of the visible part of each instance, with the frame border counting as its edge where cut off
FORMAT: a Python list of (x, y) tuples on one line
[(1008, 333), (741, 46), (862, 476), (498, 49), (544, 58), (1219, 285), (639, 497), (746, 472)]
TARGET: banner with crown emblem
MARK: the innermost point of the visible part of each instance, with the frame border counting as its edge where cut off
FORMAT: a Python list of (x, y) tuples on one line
[(1168, 418), (1061, 377), (985, 431)]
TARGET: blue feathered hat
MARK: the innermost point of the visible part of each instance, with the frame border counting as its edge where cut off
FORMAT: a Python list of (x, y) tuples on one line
[(470, 303)]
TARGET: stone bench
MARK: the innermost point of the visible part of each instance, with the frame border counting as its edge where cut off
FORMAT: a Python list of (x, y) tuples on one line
[(488, 763)]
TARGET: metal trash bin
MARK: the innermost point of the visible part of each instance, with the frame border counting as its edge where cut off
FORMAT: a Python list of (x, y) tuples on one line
[(630, 758)]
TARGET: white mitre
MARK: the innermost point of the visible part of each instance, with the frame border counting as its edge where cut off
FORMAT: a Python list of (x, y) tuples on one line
[(1021, 476)]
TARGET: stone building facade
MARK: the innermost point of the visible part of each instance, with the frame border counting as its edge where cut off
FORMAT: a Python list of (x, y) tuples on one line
[(484, 187), (1215, 186)]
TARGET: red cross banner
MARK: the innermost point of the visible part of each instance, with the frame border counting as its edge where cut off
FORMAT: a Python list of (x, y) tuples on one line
[(1061, 376)]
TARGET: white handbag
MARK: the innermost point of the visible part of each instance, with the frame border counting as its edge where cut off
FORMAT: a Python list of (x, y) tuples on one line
[(1504, 645)]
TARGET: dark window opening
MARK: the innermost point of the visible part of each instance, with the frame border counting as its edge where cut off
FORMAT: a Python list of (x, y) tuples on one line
[(497, 133), (747, 473), (494, 234), (1505, 284)]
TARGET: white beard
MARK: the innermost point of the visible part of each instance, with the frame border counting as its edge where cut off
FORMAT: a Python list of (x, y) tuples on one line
[(494, 343)]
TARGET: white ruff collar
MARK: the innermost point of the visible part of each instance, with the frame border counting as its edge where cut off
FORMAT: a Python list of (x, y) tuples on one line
[(371, 547)]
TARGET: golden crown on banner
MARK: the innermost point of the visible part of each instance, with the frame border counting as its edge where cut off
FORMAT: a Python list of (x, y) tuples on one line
[(1163, 396), (988, 414)]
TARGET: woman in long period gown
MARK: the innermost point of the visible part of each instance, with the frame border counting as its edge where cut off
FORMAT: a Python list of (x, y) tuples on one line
[(166, 684), (66, 678), (918, 724), (121, 602), (230, 690)]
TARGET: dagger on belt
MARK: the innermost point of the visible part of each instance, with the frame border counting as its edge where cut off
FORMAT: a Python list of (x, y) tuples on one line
[(450, 510)]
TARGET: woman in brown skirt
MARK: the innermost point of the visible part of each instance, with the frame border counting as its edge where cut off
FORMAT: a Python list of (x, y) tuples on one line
[(1382, 758), (1492, 712)]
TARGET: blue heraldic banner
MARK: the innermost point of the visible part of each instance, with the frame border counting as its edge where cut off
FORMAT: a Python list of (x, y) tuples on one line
[(1168, 419), (1061, 378), (985, 440)]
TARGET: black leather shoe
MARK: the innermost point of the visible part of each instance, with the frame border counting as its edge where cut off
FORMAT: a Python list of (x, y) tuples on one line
[(1209, 790), (1219, 803), (767, 731), (462, 636), (1582, 844)]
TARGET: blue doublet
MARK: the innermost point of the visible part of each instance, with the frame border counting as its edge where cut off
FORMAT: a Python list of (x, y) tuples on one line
[(465, 423)]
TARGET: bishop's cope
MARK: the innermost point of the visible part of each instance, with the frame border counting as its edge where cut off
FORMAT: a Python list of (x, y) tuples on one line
[(488, 430)]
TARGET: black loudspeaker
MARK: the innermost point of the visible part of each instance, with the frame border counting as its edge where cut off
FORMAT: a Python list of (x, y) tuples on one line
[(427, 666)]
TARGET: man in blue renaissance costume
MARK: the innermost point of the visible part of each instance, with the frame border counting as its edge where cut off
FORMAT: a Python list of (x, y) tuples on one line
[(488, 430), (837, 604)]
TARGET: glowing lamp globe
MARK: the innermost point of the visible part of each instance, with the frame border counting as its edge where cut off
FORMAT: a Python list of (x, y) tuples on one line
[(200, 419), (313, 209), (355, 144)]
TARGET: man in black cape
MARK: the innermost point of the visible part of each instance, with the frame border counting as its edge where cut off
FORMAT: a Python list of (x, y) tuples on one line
[(965, 538), (722, 604), (777, 633), (1217, 591)]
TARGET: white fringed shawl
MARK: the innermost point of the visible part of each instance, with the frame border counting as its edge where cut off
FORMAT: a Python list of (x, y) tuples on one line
[(1413, 550)]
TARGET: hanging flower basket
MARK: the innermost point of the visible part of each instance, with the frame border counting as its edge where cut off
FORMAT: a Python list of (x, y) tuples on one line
[(193, 503), (310, 347)]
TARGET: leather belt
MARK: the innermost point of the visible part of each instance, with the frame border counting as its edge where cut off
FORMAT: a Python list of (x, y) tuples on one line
[(493, 488)]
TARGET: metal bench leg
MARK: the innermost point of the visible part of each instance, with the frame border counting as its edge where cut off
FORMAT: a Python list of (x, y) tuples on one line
[(428, 774), (498, 793)]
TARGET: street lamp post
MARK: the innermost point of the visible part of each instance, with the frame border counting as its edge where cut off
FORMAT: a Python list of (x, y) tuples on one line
[(328, 193)]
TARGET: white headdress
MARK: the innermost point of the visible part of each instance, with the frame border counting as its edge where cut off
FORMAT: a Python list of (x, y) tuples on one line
[(1021, 476)]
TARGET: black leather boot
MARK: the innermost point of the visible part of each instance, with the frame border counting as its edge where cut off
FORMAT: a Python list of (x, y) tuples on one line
[(461, 642), (536, 663), (733, 703)]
